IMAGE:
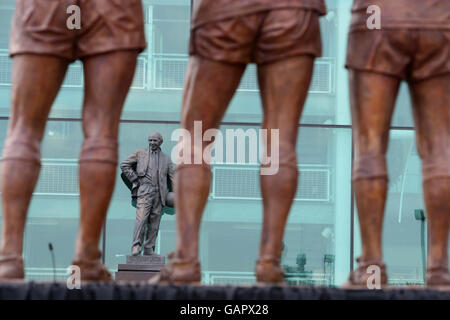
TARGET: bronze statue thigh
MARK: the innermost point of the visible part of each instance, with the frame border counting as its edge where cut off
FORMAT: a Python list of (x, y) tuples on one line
[(372, 99), (431, 107), (376, 70), (106, 88), (285, 51), (221, 49), (378, 60), (36, 82)]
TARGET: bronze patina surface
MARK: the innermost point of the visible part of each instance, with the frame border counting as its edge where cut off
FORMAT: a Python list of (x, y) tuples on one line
[(151, 173), (413, 45), (40, 27), (42, 46), (215, 10), (284, 43)]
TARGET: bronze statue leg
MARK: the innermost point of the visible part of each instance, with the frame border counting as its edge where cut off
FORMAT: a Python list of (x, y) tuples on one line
[(153, 227), (108, 79), (36, 81), (431, 101), (284, 86), (143, 208), (209, 88), (372, 98)]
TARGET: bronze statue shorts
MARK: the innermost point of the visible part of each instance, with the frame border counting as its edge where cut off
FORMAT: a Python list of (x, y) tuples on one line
[(411, 54), (40, 27), (261, 37)]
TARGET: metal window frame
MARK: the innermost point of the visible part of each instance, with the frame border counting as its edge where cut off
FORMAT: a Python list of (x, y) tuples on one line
[(255, 167), (159, 57), (57, 162), (78, 64), (145, 82), (331, 65), (156, 83)]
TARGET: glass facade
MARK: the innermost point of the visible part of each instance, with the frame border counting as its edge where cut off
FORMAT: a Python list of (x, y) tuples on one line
[(322, 236)]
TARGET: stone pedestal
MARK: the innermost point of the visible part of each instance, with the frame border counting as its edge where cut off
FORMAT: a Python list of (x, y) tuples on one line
[(140, 268)]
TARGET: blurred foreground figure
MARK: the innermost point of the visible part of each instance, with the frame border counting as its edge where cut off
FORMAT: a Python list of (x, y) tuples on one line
[(413, 44), (283, 38), (42, 45)]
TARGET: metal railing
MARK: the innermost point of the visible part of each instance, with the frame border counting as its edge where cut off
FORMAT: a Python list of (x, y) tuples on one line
[(167, 72), (58, 177), (241, 182), (246, 278), (74, 76)]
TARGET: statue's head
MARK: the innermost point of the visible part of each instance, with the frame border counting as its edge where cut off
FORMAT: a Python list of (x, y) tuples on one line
[(155, 140)]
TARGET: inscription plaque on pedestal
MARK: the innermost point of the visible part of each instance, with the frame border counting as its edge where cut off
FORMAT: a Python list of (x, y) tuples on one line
[(140, 268), (147, 260)]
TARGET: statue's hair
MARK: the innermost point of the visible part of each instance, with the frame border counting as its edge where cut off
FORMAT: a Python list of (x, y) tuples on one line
[(158, 135)]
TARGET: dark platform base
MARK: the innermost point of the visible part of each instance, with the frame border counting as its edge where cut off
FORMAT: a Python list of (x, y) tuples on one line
[(139, 268), (115, 291), (134, 276)]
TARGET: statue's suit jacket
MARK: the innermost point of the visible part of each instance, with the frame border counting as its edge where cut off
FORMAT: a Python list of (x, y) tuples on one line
[(135, 166)]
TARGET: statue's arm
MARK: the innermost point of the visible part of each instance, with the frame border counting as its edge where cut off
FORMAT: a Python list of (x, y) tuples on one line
[(127, 166)]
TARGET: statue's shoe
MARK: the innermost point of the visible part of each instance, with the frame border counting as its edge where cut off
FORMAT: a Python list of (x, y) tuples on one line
[(11, 268), (364, 276), (92, 269), (269, 271), (438, 276), (178, 271), (136, 251)]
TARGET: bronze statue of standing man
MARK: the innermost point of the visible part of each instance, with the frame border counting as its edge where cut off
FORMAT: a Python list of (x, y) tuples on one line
[(151, 173), (412, 44), (108, 41), (283, 38)]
